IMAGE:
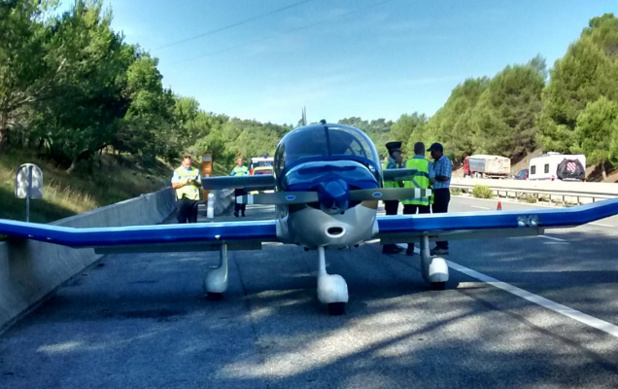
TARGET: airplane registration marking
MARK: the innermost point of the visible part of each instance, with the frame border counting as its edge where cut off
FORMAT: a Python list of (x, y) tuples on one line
[(574, 314)]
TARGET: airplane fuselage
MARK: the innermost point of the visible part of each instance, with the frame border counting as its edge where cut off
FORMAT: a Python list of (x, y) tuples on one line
[(334, 221)]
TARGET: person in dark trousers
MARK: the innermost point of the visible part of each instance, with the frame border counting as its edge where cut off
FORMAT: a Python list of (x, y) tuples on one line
[(394, 161), (423, 180), (239, 170), (441, 189), (186, 182)]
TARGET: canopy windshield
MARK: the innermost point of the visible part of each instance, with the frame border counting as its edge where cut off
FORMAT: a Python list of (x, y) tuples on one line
[(323, 142)]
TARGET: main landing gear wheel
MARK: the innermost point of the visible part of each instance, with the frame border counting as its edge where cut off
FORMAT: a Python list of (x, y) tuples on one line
[(214, 296), (336, 309), (438, 286)]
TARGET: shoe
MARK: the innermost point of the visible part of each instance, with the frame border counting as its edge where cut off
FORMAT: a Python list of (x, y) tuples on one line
[(243, 214), (235, 213), (410, 251), (438, 251)]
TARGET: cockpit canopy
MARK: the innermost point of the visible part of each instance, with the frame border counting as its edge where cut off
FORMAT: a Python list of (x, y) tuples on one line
[(323, 142)]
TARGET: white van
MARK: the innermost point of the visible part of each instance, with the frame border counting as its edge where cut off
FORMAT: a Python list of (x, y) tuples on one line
[(555, 166)]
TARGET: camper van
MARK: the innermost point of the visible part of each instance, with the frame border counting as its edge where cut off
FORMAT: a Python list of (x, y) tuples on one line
[(555, 166)]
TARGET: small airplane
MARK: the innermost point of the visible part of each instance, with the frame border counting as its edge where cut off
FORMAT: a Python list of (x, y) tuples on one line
[(327, 184)]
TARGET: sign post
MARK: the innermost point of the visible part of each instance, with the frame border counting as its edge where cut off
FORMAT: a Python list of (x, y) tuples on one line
[(29, 184), (206, 172)]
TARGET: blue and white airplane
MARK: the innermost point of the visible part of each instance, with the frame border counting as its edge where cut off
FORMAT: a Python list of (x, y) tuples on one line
[(327, 183)]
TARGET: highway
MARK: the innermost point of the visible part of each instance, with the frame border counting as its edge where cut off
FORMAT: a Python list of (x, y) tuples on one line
[(141, 321)]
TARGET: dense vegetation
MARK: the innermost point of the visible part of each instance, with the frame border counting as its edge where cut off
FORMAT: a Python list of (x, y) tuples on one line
[(71, 90)]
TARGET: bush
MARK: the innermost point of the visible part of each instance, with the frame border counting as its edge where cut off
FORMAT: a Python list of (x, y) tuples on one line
[(456, 191), (529, 198), (482, 192)]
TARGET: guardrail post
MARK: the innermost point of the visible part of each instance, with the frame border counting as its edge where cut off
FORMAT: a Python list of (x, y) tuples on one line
[(210, 206)]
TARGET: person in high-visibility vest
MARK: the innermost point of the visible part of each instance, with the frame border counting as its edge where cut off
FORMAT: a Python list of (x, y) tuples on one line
[(394, 161), (422, 180), (239, 170), (186, 181)]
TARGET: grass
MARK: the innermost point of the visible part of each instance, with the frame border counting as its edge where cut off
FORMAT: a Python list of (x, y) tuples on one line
[(482, 192), (114, 178)]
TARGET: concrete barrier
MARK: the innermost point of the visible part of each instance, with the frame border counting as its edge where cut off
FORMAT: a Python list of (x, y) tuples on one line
[(224, 200), (30, 271)]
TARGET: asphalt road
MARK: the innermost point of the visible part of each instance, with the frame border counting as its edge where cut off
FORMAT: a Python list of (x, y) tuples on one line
[(141, 321)]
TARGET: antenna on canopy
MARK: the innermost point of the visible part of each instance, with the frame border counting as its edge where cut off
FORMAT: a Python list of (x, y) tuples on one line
[(304, 117)]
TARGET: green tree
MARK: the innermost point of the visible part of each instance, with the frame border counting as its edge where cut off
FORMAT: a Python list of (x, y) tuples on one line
[(595, 127), (504, 118), (452, 125), (588, 71), (408, 130), (24, 75)]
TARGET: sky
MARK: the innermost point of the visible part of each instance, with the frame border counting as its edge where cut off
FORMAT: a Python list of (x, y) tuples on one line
[(266, 59)]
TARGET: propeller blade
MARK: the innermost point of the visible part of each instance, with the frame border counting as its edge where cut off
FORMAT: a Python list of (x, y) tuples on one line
[(387, 194), (279, 198)]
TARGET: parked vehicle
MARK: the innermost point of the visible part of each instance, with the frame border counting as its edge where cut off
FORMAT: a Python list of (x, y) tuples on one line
[(487, 166), (261, 165), (521, 175), (555, 166)]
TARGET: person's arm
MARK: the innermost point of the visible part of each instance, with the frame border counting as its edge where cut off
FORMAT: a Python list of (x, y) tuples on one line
[(177, 182), (198, 182), (444, 172), (432, 174)]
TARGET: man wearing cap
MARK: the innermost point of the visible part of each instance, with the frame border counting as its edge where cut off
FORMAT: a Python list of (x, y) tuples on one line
[(441, 189), (394, 161)]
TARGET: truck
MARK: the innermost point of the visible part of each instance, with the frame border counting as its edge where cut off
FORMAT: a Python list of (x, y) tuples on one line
[(555, 166), (487, 166)]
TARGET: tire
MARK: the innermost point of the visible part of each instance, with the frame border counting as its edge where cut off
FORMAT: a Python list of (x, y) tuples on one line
[(438, 285), (336, 309), (212, 296)]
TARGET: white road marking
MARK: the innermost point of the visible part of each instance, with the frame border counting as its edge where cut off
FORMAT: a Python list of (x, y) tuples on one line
[(581, 317), (602, 225), (552, 238), (556, 243), (479, 207)]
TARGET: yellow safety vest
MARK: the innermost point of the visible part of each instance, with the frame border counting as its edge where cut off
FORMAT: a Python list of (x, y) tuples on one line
[(240, 171), (190, 192), (389, 184), (421, 178)]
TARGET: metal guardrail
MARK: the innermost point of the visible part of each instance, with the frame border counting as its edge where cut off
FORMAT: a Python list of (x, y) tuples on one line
[(567, 191)]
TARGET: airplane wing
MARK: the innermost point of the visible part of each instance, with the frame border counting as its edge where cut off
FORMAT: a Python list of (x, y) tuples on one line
[(157, 238), (490, 224), (262, 182)]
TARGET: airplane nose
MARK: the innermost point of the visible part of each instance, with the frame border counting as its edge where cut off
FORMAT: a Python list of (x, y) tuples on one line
[(334, 196)]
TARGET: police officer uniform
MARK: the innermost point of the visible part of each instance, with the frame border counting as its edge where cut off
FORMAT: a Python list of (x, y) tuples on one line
[(391, 206), (188, 195), (422, 180), (239, 171)]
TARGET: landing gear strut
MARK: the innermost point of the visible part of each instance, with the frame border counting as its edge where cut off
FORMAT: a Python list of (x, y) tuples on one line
[(332, 288), (216, 278), (434, 269)]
